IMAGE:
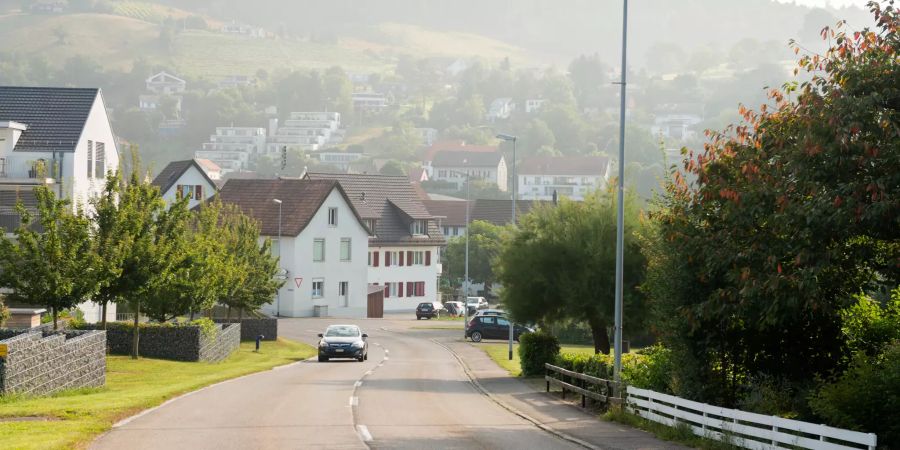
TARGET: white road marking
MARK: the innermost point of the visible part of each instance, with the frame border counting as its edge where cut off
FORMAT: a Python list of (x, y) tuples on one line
[(369, 372), (364, 433), (386, 358), (357, 384), (387, 352), (354, 401)]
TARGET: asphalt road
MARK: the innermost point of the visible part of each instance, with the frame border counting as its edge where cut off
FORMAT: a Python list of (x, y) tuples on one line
[(410, 394)]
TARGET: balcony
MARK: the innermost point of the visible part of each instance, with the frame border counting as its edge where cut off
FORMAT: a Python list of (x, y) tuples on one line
[(20, 170)]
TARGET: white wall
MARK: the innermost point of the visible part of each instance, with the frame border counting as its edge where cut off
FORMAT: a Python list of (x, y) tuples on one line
[(406, 273), (298, 259), (75, 180), (192, 176)]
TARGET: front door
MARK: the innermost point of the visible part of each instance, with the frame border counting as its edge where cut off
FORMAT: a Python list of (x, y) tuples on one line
[(344, 293)]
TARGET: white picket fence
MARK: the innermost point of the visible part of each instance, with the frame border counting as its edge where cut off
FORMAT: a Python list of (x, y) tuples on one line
[(743, 429)]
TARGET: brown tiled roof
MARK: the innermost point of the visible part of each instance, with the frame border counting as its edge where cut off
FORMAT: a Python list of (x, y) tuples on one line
[(391, 200), (569, 165), (499, 212), (468, 159), (453, 212), (457, 145), (301, 200), (174, 170)]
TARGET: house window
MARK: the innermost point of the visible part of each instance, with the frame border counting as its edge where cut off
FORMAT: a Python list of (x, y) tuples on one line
[(198, 192), (393, 290), (418, 227), (391, 259), (319, 250), (418, 259), (370, 259), (90, 159), (99, 160), (344, 292), (345, 249), (318, 287), (332, 217), (185, 190)]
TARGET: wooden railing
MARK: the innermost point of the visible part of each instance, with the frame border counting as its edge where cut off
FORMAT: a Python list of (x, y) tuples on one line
[(741, 428), (597, 389)]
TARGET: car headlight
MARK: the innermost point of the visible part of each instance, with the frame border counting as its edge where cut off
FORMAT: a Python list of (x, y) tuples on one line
[(358, 344), (323, 344)]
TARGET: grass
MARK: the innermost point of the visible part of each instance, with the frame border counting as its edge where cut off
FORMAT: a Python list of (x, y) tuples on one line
[(74, 418), (500, 354), (681, 434)]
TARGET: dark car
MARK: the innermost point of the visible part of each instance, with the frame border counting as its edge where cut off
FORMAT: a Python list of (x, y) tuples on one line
[(343, 341), (493, 327), (427, 310)]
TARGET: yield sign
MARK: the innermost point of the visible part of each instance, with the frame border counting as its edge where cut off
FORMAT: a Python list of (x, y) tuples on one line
[(298, 281)]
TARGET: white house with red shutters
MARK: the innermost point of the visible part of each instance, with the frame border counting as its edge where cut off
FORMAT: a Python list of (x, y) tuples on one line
[(405, 244)]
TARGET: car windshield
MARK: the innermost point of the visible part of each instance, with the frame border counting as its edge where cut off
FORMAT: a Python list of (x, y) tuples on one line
[(342, 331)]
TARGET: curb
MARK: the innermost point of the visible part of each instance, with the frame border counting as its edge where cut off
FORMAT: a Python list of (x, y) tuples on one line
[(493, 398)]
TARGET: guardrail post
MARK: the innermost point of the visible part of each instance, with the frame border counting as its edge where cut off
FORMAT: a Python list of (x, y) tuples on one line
[(704, 424), (774, 430), (547, 376), (583, 397)]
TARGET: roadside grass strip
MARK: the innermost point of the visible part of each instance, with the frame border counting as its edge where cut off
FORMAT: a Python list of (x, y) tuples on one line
[(500, 354), (72, 419)]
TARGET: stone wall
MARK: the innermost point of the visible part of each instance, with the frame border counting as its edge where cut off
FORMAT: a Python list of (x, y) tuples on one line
[(41, 363), (252, 327), (179, 343)]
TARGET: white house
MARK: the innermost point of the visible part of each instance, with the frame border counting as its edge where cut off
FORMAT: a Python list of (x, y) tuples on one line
[(323, 248), (304, 131), (500, 109), (452, 166), (56, 137), (539, 178), (533, 105), (180, 179), (232, 148), (165, 83), (677, 121), (369, 101), (404, 248)]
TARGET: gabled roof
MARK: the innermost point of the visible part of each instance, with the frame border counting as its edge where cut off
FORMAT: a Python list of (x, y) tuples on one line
[(174, 170), (55, 117), (567, 165), (301, 199), (452, 213), (468, 159), (499, 212), (456, 145), (391, 201), (164, 74)]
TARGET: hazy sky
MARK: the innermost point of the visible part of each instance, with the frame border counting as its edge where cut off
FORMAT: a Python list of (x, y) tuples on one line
[(823, 3)]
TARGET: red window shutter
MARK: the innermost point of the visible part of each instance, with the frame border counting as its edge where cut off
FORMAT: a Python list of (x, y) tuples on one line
[(421, 288), (400, 290), (375, 260), (387, 259), (198, 192), (428, 258), (387, 290), (401, 258), (409, 259)]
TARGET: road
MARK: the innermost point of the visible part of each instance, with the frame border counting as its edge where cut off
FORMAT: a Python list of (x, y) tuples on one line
[(410, 394)]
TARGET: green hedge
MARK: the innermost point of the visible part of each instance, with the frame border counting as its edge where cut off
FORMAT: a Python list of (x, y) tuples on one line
[(536, 349), (649, 368)]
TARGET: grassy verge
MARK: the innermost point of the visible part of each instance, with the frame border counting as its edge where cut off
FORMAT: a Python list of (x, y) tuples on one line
[(500, 354), (682, 434), (72, 419)]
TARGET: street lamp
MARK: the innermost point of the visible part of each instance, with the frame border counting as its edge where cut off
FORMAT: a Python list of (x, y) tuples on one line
[(515, 182), (620, 214), (278, 301), (466, 276)]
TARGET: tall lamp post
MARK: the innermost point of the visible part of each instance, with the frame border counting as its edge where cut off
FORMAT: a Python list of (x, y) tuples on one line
[(515, 183), (620, 219), (466, 275), (278, 300)]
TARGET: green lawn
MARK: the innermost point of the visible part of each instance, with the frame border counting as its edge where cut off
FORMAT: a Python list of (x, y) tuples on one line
[(500, 354), (74, 418)]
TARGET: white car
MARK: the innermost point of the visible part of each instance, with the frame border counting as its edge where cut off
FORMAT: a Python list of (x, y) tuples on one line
[(476, 303)]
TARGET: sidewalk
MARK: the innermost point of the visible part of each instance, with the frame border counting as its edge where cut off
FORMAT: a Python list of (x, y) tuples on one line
[(555, 415)]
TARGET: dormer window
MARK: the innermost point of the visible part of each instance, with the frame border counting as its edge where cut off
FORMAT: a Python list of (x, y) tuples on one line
[(418, 227), (370, 224)]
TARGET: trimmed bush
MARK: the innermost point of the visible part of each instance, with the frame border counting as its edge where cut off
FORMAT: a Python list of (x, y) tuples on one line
[(649, 368), (536, 349)]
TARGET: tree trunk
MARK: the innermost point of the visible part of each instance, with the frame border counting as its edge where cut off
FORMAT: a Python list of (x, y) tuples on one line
[(599, 336), (103, 314), (135, 341), (55, 325)]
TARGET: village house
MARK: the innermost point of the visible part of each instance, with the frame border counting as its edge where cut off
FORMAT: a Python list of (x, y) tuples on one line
[(186, 179), (452, 167), (542, 178)]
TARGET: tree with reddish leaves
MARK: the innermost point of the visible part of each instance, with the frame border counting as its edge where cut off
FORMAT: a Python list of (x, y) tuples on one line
[(770, 231)]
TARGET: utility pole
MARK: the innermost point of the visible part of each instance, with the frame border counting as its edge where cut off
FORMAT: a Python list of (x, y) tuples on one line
[(280, 261), (620, 216)]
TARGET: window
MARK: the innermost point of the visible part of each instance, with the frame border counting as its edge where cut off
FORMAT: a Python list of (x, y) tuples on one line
[(502, 322), (370, 224), (419, 227), (418, 259), (318, 287), (344, 292), (345, 249), (198, 192), (90, 159), (391, 259), (319, 250), (392, 290), (99, 160), (185, 190), (370, 259), (332, 217)]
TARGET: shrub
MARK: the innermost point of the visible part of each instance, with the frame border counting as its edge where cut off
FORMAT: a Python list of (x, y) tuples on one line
[(536, 349), (649, 368), (597, 365), (866, 397)]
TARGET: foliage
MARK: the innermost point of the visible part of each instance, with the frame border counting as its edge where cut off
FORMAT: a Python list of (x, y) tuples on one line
[(53, 266), (651, 368), (4, 312), (800, 203), (560, 265), (484, 246), (535, 350), (866, 397), (869, 327)]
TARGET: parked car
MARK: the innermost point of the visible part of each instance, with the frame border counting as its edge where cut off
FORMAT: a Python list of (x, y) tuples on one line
[(343, 341), (493, 327), (475, 303), (455, 308), (428, 310), (491, 312)]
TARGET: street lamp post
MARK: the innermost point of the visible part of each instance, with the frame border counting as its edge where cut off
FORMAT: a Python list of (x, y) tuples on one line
[(466, 292), (515, 182), (620, 219), (278, 300)]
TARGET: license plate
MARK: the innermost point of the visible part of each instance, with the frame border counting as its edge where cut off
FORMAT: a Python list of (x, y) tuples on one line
[(339, 350)]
